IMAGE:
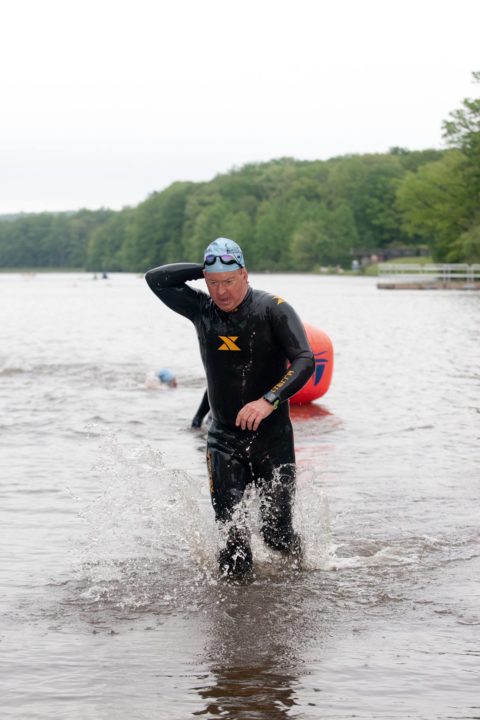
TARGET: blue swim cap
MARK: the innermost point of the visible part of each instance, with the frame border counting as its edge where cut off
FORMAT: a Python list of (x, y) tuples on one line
[(223, 255), (165, 375)]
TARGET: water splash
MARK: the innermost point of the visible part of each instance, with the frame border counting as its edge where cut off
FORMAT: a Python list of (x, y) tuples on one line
[(150, 531), (146, 530)]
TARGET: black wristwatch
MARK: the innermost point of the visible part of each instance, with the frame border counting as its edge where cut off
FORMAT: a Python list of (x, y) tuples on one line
[(271, 398)]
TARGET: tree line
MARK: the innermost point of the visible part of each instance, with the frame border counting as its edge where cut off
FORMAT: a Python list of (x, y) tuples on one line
[(286, 214)]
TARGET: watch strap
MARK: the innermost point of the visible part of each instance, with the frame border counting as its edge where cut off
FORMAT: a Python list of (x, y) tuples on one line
[(271, 398)]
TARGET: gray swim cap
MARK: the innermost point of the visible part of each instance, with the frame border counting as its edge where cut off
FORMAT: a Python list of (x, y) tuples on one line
[(223, 255), (165, 375)]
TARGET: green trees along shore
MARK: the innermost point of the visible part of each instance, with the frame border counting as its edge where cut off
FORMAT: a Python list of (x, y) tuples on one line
[(286, 214)]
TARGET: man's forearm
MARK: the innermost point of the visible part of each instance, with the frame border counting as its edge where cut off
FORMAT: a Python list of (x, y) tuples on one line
[(295, 377), (173, 275), (169, 283)]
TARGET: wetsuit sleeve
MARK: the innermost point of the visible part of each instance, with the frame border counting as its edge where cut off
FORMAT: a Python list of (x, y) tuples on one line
[(290, 334), (168, 282), (203, 409), (204, 406)]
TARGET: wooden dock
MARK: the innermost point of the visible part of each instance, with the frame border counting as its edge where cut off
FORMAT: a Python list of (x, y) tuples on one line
[(431, 276)]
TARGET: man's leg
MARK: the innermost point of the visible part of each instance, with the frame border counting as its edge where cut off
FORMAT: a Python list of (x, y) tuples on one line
[(277, 490), (275, 472), (228, 480)]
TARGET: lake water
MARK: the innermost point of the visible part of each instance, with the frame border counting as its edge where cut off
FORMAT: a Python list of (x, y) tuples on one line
[(111, 606)]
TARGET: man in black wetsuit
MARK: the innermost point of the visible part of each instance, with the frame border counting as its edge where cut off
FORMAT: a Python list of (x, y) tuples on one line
[(256, 355)]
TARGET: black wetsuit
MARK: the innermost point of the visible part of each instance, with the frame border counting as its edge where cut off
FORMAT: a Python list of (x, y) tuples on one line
[(259, 347), (203, 409)]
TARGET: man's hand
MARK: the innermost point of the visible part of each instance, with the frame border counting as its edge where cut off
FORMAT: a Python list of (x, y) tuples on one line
[(252, 414)]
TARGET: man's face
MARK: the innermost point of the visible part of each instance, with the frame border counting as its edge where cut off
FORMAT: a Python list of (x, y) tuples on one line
[(227, 289)]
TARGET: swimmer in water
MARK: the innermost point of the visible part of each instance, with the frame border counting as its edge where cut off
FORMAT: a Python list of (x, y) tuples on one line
[(256, 356), (162, 378)]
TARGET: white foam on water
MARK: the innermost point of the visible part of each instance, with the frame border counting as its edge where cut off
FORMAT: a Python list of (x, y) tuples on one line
[(151, 538), (312, 519), (151, 524), (146, 531)]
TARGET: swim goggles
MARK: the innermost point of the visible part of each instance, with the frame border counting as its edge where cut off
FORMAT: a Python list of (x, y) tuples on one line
[(225, 259)]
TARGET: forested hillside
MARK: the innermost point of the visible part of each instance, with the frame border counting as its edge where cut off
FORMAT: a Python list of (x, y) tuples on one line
[(286, 214)]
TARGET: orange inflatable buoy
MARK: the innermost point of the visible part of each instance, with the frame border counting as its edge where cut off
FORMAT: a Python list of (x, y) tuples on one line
[(319, 383)]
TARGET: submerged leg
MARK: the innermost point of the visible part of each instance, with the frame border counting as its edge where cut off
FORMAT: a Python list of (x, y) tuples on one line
[(277, 495), (275, 473), (235, 559), (228, 480)]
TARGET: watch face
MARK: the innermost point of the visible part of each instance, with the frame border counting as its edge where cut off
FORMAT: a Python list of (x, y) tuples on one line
[(270, 397)]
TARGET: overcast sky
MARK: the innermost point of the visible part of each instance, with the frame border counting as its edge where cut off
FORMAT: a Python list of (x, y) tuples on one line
[(106, 101)]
